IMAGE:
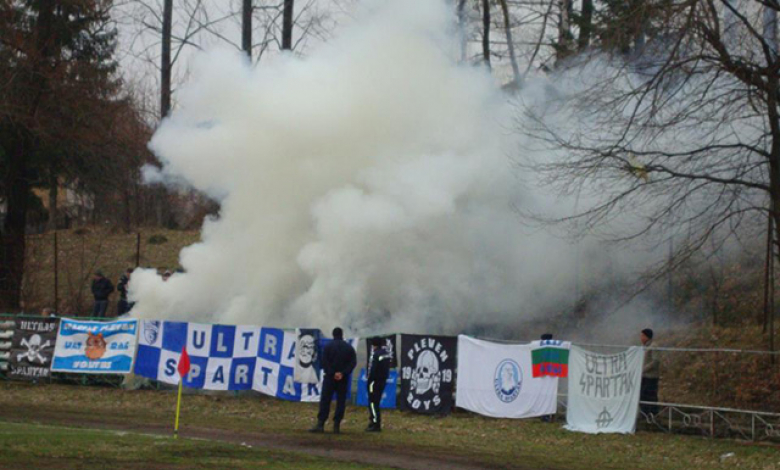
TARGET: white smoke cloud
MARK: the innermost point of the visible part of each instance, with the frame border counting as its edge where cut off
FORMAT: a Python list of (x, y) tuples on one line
[(368, 185)]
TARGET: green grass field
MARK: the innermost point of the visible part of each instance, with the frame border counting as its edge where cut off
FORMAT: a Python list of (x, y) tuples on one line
[(34, 446), (264, 422)]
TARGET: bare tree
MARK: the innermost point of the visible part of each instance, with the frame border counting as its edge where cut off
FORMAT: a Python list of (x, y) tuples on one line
[(510, 43), (684, 139)]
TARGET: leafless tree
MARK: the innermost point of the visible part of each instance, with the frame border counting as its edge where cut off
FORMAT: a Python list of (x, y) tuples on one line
[(683, 139)]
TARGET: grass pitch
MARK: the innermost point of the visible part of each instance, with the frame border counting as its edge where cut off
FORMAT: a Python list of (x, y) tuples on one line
[(461, 439)]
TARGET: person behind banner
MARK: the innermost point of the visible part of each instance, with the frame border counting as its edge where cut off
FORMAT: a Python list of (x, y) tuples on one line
[(124, 306), (650, 375), (101, 289), (338, 361), (378, 371), (547, 418)]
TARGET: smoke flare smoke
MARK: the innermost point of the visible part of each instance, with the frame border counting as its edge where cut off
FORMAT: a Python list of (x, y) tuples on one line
[(369, 185)]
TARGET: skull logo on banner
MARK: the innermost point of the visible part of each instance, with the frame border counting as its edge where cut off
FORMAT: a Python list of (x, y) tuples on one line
[(426, 375), (34, 346), (427, 366)]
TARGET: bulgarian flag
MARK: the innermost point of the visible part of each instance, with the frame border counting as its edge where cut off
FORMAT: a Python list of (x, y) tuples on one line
[(551, 358)]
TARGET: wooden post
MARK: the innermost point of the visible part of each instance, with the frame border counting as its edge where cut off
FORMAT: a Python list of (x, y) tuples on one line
[(56, 276), (138, 250)]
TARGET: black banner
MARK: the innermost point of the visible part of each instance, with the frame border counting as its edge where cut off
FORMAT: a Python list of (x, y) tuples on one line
[(427, 373), (32, 347), (389, 342)]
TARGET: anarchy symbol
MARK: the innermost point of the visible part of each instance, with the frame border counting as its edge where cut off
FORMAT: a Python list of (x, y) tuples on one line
[(604, 419)]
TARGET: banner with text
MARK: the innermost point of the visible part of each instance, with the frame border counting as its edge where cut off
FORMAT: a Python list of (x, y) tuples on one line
[(497, 380), (604, 391), (32, 347), (427, 373), (95, 347), (225, 357)]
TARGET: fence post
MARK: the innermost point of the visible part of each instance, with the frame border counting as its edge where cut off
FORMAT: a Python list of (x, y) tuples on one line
[(56, 275), (138, 249)]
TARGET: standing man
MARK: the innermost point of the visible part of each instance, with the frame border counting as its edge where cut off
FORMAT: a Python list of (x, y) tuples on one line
[(101, 289), (338, 361), (650, 374), (378, 371), (123, 306)]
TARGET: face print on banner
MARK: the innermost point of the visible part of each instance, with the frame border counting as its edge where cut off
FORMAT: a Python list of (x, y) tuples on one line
[(427, 373), (307, 354)]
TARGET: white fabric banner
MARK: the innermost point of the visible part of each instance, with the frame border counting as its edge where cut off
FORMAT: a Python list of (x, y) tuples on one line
[(496, 380), (604, 391)]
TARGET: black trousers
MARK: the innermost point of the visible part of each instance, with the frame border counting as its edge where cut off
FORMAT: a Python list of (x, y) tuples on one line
[(99, 310), (649, 392), (375, 390), (329, 386)]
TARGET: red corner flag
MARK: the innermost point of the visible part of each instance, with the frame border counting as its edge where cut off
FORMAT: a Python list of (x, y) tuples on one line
[(184, 363)]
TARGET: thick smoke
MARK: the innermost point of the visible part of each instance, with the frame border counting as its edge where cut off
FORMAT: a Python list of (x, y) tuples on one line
[(370, 185)]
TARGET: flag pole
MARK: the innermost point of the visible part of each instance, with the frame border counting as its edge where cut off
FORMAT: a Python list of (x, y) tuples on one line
[(178, 407)]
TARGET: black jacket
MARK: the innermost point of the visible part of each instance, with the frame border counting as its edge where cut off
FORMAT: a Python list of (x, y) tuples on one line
[(379, 365), (338, 356), (122, 286), (102, 288)]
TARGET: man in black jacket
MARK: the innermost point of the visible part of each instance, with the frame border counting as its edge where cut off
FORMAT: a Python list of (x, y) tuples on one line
[(378, 371), (101, 289), (338, 361)]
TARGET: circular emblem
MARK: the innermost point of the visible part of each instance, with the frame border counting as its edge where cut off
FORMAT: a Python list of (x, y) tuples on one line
[(508, 380)]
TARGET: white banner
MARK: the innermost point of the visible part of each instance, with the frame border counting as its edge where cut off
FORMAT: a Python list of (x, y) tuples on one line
[(497, 380), (604, 391)]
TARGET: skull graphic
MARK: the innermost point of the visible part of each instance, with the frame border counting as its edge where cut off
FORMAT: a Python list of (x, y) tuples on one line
[(426, 375), (34, 348)]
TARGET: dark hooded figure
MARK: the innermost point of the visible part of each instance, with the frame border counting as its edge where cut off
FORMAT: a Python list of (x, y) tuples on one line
[(338, 361), (101, 289), (124, 306), (378, 371)]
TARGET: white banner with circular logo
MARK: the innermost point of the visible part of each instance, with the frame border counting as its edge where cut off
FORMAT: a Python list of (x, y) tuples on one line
[(497, 380)]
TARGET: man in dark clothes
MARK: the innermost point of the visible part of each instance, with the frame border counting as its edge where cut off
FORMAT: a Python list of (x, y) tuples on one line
[(378, 371), (101, 289), (338, 361), (648, 390), (123, 306)]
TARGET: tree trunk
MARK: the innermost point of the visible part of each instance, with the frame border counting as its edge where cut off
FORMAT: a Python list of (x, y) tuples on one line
[(287, 25), (564, 29), (510, 43), (17, 182), (165, 59), (462, 26), (246, 28), (586, 25), (13, 241), (486, 32)]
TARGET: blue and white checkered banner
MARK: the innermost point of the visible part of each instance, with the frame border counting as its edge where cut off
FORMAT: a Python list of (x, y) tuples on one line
[(388, 395), (224, 357), (95, 347)]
